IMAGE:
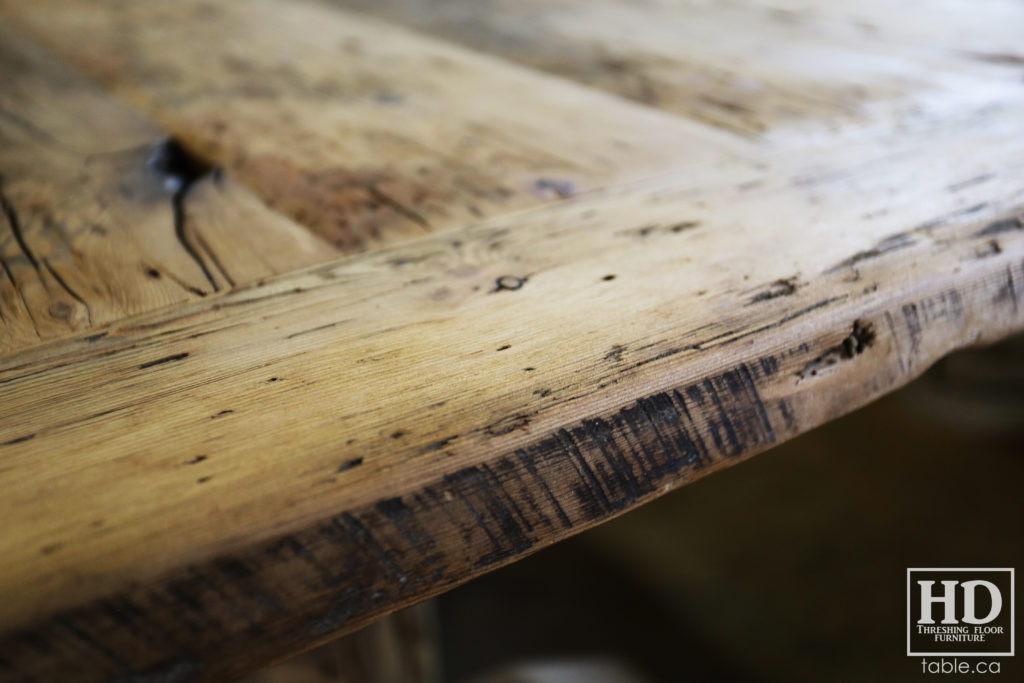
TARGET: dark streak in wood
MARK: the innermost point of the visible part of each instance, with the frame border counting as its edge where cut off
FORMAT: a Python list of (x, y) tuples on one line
[(970, 182), (1008, 292), (315, 329), (913, 325), (667, 353), (900, 240), (614, 354), (507, 425), (1001, 58), (1001, 226), (349, 464), (20, 439), (439, 444), (734, 336), (165, 359), (779, 288)]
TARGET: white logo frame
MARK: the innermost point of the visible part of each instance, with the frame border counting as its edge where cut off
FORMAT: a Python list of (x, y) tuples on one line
[(1013, 606)]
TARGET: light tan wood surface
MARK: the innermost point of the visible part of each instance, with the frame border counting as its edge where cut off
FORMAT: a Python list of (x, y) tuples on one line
[(777, 71), (194, 490), (97, 226), (363, 131)]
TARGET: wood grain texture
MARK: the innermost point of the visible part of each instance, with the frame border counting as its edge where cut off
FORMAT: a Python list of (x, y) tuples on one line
[(265, 469), (363, 131), (93, 229), (778, 71)]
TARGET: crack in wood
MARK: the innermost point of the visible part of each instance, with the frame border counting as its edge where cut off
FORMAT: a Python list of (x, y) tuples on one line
[(67, 288), (396, 206), (15, 224), (860, 338), (180, 171)]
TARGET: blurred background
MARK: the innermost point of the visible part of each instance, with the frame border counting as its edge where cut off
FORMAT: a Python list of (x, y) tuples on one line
[(789, 567)]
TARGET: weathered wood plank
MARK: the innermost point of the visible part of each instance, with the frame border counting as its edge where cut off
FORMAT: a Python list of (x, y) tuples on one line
[(265, 469), (102, 218), (365, 132), (775, 71)]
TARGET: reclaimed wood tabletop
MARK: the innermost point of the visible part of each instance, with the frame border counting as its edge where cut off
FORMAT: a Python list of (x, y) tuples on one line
[(312, 310)]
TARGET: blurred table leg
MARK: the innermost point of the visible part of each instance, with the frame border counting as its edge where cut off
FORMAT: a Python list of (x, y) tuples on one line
[(400, 648)]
